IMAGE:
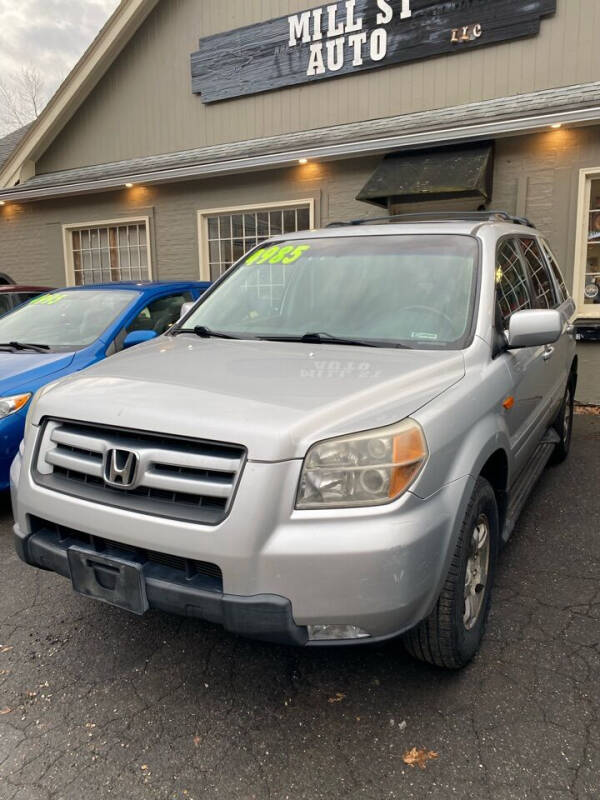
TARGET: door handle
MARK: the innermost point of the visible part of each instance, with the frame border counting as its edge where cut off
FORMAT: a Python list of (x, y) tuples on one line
[(548, 352)]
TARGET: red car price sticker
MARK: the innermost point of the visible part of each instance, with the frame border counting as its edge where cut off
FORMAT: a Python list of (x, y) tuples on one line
[(278, 255)]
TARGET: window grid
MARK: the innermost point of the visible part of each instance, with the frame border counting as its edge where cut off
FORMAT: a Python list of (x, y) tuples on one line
[(110, 253), (591, 280), (513, 291), (232, 235), (592, 288), (594, 225), (542, 284)]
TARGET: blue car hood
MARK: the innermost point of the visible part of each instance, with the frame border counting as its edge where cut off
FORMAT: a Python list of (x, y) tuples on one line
[(22, 367)]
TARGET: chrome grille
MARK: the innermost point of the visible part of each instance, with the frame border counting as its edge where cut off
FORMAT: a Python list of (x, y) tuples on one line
[(184, 479)]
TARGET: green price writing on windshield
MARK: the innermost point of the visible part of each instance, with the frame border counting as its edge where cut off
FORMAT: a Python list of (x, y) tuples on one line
[(278, 255), (48, 299)]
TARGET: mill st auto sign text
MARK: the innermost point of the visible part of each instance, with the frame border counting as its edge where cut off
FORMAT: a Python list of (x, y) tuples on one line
[(351, 36)]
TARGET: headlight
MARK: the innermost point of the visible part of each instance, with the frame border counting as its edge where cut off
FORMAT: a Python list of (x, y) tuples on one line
[(363, 469), (10, 405)]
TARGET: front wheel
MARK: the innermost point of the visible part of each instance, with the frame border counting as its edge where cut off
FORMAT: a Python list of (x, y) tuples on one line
[(450, 636), (563, 425)]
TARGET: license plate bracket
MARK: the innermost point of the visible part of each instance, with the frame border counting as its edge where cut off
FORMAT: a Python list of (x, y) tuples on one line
[(109, 579)]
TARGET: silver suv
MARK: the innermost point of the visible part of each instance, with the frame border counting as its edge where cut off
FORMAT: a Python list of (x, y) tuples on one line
[(330, 447)]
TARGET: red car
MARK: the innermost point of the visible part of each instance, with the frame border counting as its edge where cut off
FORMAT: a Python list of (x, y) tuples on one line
[(12, 296)]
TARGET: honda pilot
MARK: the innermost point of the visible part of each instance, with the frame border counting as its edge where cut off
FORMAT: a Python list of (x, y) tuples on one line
[(331, 447)]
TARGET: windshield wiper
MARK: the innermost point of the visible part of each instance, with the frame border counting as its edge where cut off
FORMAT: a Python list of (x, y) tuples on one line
[(321, 338), (205, 333), (37, 348)]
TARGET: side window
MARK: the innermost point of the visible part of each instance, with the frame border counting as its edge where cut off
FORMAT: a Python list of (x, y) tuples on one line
[(556, 270), (538, 272), (160, 315), (511, 282), (5, 304), (24, 297)]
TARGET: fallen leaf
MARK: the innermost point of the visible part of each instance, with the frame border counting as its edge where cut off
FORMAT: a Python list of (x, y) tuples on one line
[(418, 758), (582, 410), (338, 698), (6, 649), (5, 711), (197, 741), (144, 766)]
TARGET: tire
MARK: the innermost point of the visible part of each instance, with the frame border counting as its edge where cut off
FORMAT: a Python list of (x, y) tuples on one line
[(446, 638), (563, 425)]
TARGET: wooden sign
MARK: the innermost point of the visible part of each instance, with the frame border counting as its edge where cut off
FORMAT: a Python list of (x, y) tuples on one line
[(349, 36)]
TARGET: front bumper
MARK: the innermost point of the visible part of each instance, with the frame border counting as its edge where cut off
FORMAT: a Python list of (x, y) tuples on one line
[(264, 617), (378, 569)]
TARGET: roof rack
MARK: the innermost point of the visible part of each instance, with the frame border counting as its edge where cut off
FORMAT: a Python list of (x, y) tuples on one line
[(459, 216)]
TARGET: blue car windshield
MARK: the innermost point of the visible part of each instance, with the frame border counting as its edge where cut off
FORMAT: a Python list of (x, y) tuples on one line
[(65, 320)]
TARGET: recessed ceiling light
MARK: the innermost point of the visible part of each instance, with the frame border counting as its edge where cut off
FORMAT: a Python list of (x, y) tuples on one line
[(129, 185), (303, 160), (2, 203), (556, 125)]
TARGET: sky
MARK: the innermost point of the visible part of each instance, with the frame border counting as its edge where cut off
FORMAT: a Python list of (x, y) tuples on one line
[(48, 34)]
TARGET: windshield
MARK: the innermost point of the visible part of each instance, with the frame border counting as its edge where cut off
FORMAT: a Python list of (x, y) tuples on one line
[(65, 320), (414, 291)]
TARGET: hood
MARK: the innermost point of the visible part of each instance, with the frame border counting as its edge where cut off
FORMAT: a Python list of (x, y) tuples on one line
[(19, 369), (274, 398)]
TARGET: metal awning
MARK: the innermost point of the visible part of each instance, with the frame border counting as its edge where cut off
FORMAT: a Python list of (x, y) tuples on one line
[(441, 174)]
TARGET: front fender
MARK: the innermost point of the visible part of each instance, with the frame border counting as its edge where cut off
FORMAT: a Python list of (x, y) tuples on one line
[(464, 427)]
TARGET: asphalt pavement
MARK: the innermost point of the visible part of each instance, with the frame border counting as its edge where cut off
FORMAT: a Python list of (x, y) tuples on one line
[(95, 703)]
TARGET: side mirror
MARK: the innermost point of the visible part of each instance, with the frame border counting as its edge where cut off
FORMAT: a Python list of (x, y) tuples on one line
[(185, 309), (138, 337), (533, 328)]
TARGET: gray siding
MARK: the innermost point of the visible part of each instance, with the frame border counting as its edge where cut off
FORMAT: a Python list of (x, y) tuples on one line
[(145, 106), (534, 175)]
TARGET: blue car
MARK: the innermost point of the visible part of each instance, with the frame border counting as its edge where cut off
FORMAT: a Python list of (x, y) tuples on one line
[(67, 330)]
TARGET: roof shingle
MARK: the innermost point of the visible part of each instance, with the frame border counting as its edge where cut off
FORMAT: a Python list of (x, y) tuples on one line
[(10, 142)]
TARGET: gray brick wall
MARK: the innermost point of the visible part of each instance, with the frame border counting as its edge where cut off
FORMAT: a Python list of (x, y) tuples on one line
[(538, 176), (31, 238)]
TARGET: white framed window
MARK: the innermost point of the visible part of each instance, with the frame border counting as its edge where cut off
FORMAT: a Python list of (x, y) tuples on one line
[(108, 251), (226, 234), (586, 280)]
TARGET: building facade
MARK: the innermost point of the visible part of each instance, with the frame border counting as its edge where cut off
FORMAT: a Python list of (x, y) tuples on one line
[(192, 129)]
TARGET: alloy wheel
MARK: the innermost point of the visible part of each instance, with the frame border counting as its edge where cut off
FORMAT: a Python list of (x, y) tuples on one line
[(476, 574)]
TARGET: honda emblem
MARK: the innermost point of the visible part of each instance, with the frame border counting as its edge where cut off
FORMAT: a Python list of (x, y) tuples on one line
[(120, 468)]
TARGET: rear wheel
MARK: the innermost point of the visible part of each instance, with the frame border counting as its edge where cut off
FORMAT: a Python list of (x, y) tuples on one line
[(563, 425), (452, 633)]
